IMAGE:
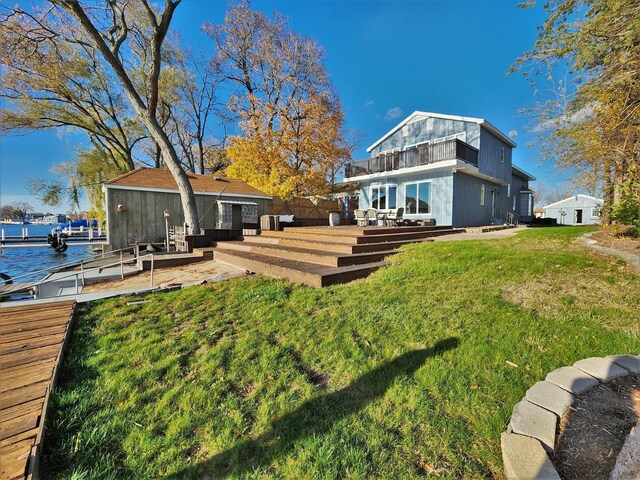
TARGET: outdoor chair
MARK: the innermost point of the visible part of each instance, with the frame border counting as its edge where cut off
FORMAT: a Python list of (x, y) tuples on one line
[(361, 218), (372, 213), (395, 216)]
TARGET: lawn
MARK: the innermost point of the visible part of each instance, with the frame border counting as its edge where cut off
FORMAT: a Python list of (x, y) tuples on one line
[(410, 373)]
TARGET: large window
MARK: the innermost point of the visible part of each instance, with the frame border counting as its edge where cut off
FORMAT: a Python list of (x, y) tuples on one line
[(384, 196), (417, 198)]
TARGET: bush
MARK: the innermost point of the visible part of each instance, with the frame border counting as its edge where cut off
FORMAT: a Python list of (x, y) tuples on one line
[(628, 212)]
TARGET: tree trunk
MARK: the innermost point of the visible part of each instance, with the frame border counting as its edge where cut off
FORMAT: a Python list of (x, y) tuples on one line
[(172, 162)]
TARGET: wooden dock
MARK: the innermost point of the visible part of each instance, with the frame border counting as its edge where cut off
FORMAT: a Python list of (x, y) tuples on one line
[(32, 340)]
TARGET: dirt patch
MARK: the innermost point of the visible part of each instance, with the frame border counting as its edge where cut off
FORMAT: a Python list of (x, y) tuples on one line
[(186, 274), (595, 428), (617, 236)]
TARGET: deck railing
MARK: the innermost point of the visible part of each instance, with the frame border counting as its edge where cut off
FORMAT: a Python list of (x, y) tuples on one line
[(420, 155)]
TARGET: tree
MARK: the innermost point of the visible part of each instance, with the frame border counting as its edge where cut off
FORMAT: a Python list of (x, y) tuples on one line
[(590, 122), (124, 40), (20, 210), (294, 140), (6, 212)]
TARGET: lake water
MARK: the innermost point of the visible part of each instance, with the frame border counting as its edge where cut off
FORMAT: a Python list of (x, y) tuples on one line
[(16, 262)]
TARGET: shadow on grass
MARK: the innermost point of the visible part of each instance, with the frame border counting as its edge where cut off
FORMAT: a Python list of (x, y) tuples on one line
[(314, 417)]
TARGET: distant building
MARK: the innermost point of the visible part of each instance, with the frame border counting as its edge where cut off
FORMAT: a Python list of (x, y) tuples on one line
[(576, 210)]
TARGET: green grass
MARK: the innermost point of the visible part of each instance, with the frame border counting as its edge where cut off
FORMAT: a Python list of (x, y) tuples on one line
[(402, 375)]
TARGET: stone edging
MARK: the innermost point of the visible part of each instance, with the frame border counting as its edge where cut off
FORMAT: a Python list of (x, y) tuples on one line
[(531, 434), (630, 258)]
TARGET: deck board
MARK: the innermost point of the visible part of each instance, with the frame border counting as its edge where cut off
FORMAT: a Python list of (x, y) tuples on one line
[(32, 340)]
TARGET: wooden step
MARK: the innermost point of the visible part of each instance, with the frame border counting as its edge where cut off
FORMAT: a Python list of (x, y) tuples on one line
[(316, 256), (373, 230), (348, 238), (296, 271)]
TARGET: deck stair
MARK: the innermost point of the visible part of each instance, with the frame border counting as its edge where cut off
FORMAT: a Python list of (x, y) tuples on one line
[(321, 256)]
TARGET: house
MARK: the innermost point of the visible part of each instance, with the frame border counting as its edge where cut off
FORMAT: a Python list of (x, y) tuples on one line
[(136, 203), (455, 170), (576, 210)]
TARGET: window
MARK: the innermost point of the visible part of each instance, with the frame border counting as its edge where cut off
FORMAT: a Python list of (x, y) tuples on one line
[(482, 194), (595, 212), (249, 213), (417, 198), (509, 191), (383, 196), (502, 154)]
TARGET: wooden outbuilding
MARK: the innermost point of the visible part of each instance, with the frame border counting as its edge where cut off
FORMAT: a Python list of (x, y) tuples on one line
[(138, 201)]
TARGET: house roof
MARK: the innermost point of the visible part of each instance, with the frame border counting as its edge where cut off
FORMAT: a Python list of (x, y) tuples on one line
[(162, 180), (515, 170), (417, 115), (572, 197)]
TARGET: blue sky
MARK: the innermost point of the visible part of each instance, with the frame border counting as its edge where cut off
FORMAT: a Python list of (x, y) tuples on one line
[(386, 59)]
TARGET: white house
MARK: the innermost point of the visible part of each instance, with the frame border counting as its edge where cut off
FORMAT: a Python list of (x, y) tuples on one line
[(576, 210)]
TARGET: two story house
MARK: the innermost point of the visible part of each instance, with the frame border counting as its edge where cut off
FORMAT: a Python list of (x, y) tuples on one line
[(455, 170)]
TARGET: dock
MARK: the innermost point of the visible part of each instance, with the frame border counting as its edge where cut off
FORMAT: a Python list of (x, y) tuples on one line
[(32, 341)]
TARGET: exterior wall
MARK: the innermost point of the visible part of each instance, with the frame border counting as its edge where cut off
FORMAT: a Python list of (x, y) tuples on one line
[(569, 206), (467, 210), (441, 194), (427, 130), (517, 184), (489, 157), (143, 221)]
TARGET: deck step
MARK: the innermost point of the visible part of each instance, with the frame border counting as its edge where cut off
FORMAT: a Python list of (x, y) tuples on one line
[(353, 230), (296, 271), (310, 255)]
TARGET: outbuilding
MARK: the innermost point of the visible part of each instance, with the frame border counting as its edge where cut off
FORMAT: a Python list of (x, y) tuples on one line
[(576, 210), (138, 201)]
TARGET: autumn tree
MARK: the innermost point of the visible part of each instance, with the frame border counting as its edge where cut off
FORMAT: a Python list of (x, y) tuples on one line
[(123, 43), (294, 139), (590, 120)]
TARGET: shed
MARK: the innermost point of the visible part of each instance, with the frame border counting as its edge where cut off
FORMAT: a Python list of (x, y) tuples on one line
[(136, 201), (575, 210)]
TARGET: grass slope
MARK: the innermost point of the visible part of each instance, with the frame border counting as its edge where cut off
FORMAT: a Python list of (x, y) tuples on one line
[(403, 375)]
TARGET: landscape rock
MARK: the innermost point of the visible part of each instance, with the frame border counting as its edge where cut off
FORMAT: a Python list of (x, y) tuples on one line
[(572, 379), (534, 421), (601, 368), (524, 457), (630, 362), (628, 462), (550, 397)]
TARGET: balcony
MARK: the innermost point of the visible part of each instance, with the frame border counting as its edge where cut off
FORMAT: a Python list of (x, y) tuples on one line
[(421, 155)]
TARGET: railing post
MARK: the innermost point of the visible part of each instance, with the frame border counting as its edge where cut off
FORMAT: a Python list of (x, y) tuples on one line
[(77, 291), (151, 270), (82, 271), (121, 267)]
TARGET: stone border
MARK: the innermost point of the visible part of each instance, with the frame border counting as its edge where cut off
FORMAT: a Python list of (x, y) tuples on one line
[(630, 258), (531, 434)]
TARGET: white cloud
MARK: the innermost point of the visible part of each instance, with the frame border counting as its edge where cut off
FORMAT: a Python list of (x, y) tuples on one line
[(369, 103), (393, 113)]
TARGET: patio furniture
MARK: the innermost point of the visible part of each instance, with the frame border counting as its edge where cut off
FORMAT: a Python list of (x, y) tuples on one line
[(394, 216), (372, 214), (361, 218)]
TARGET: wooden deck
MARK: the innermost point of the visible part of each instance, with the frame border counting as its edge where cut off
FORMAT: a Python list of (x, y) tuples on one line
[(32, 339)]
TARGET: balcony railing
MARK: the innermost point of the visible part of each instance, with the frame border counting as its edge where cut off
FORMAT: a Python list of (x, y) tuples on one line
[(420, 155)]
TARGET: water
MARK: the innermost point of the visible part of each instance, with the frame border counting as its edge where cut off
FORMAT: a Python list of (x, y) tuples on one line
[(16, 262)]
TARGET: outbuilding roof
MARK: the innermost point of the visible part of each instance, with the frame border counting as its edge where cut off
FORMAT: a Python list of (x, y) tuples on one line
[(161, 180)]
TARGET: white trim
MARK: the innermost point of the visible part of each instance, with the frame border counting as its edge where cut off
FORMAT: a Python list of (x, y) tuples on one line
[(574, 196), (379, 186), (236, 202), (195, 192), (417, 115)]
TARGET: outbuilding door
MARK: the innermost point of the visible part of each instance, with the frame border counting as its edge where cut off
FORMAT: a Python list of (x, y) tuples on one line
[(578, 216)]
